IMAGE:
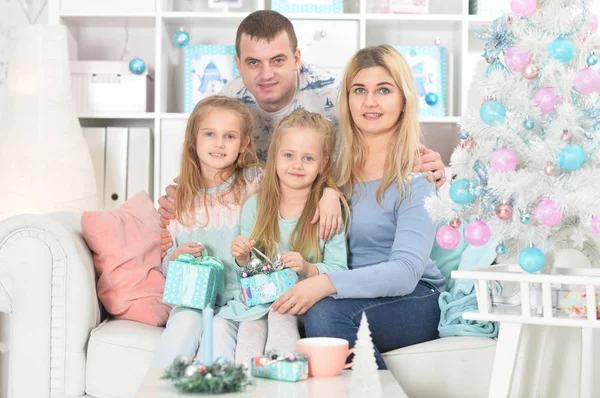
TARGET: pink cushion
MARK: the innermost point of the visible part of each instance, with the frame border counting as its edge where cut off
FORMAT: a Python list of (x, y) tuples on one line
[(126, 247)]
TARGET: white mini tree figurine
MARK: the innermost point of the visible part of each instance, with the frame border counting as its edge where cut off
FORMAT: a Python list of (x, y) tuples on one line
[(365, 377)]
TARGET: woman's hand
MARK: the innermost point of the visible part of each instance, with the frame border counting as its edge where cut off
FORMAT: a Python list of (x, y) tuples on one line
[(430, 161), (303, 295), (241, 248), (192, 248), (329, 213), (167, 206), (297, 263)]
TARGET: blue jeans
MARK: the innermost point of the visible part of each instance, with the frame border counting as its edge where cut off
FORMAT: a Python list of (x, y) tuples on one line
[(395, 322)]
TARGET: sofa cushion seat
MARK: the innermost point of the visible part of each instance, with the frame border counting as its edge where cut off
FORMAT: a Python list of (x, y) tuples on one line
[(438, 368), (119, 354)]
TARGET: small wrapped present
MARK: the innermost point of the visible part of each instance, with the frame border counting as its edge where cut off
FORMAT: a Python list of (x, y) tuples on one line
[(263, 281), (574, 303), (291, 367), (193, 282), (266, 288)]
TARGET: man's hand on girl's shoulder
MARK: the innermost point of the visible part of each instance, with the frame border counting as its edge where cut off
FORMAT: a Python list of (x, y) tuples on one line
[(430, 161), (167, 206)]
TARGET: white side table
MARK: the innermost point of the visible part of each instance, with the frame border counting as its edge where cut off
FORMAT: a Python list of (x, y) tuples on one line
[(512, 319), (330, 387)]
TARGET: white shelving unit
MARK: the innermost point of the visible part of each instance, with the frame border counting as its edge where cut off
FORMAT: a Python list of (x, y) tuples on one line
[(101, 36)]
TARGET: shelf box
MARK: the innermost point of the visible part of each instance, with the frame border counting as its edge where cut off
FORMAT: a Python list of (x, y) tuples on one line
[(108, 5), (108, 86)]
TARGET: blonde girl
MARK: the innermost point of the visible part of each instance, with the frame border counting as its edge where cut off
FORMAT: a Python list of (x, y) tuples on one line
[(218, 172), (277, 221)]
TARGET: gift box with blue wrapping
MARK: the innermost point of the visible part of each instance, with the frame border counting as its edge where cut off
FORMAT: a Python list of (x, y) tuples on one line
[(266, 288), (308, 6), (429, 67), (291, 367), (193, 282)]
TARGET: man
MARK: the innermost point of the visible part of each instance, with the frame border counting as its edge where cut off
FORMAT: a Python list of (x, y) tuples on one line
[(274, 82)]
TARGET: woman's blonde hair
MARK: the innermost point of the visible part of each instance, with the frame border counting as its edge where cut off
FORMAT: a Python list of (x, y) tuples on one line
[(404, 145), (305, 236), (191, 183)]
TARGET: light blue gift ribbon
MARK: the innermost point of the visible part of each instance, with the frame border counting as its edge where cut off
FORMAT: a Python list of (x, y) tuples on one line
[(191, 273)]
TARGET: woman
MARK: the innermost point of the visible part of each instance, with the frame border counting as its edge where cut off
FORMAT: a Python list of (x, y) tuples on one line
[(391, 277)]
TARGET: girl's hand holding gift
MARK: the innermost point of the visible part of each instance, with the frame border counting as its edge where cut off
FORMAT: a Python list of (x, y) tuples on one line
[(295, 262), (191, 248), (241, 248)]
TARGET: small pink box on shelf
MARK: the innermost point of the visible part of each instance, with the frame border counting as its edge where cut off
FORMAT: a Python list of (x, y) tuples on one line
[(109, 86), (406, 6)]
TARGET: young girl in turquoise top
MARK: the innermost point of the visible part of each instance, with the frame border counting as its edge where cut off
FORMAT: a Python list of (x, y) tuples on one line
[(218, 173), (277, 221)]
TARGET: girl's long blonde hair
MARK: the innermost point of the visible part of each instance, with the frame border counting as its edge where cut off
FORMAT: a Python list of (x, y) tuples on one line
[(191, 183), (404, 145), (305, 236)]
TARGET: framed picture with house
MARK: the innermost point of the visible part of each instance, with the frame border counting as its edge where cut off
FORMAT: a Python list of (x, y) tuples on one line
[(207, 69)]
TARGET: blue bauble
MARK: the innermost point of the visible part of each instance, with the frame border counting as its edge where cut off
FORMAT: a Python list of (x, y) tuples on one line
[(463, 135), (562, 49), (592, 60), (495, 66), (181, 39), (500, 249), (571, 157), (532, 259), (525, 218), (460, 194), (431, 99), (492, 112), (137, 66), (529, 124)]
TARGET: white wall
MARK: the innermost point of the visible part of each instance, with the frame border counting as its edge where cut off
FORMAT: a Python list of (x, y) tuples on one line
[(11, 14)]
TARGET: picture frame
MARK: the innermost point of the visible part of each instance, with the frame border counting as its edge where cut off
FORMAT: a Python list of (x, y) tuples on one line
[(430, 68), (207, 69)]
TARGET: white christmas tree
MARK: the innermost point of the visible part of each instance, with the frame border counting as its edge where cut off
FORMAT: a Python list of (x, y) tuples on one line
[(365, 376), (528, 165)]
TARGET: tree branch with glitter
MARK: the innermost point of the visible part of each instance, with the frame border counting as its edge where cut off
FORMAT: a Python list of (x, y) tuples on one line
[(526, 171)]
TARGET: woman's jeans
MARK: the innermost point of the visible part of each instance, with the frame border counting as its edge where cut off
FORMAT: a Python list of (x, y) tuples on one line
[(395, 322)]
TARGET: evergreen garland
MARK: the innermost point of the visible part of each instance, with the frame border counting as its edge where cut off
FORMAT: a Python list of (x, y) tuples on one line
[(194, 377)]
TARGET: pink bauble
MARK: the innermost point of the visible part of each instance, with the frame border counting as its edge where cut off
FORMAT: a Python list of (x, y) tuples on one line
[(477, 233), (469, 144), (523, 8), (530, 71), (587, 80), (516, 58), (504, 211), (566, 136), (546, 98), (548, 212), (549, 170), (447, 237), (503, 160), (596, 224)]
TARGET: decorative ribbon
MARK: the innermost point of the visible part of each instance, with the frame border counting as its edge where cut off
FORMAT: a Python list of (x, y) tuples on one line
[(192, 272)]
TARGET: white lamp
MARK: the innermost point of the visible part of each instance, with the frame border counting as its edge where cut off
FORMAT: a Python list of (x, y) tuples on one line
[(44, 161)]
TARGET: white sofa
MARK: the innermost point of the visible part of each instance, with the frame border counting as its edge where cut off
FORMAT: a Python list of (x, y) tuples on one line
[(60, 346)]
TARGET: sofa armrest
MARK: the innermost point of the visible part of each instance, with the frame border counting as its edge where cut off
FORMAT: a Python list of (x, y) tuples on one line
[(48, 286)]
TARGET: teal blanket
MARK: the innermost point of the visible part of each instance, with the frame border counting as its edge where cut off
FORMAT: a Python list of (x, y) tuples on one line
[(461, 297)]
